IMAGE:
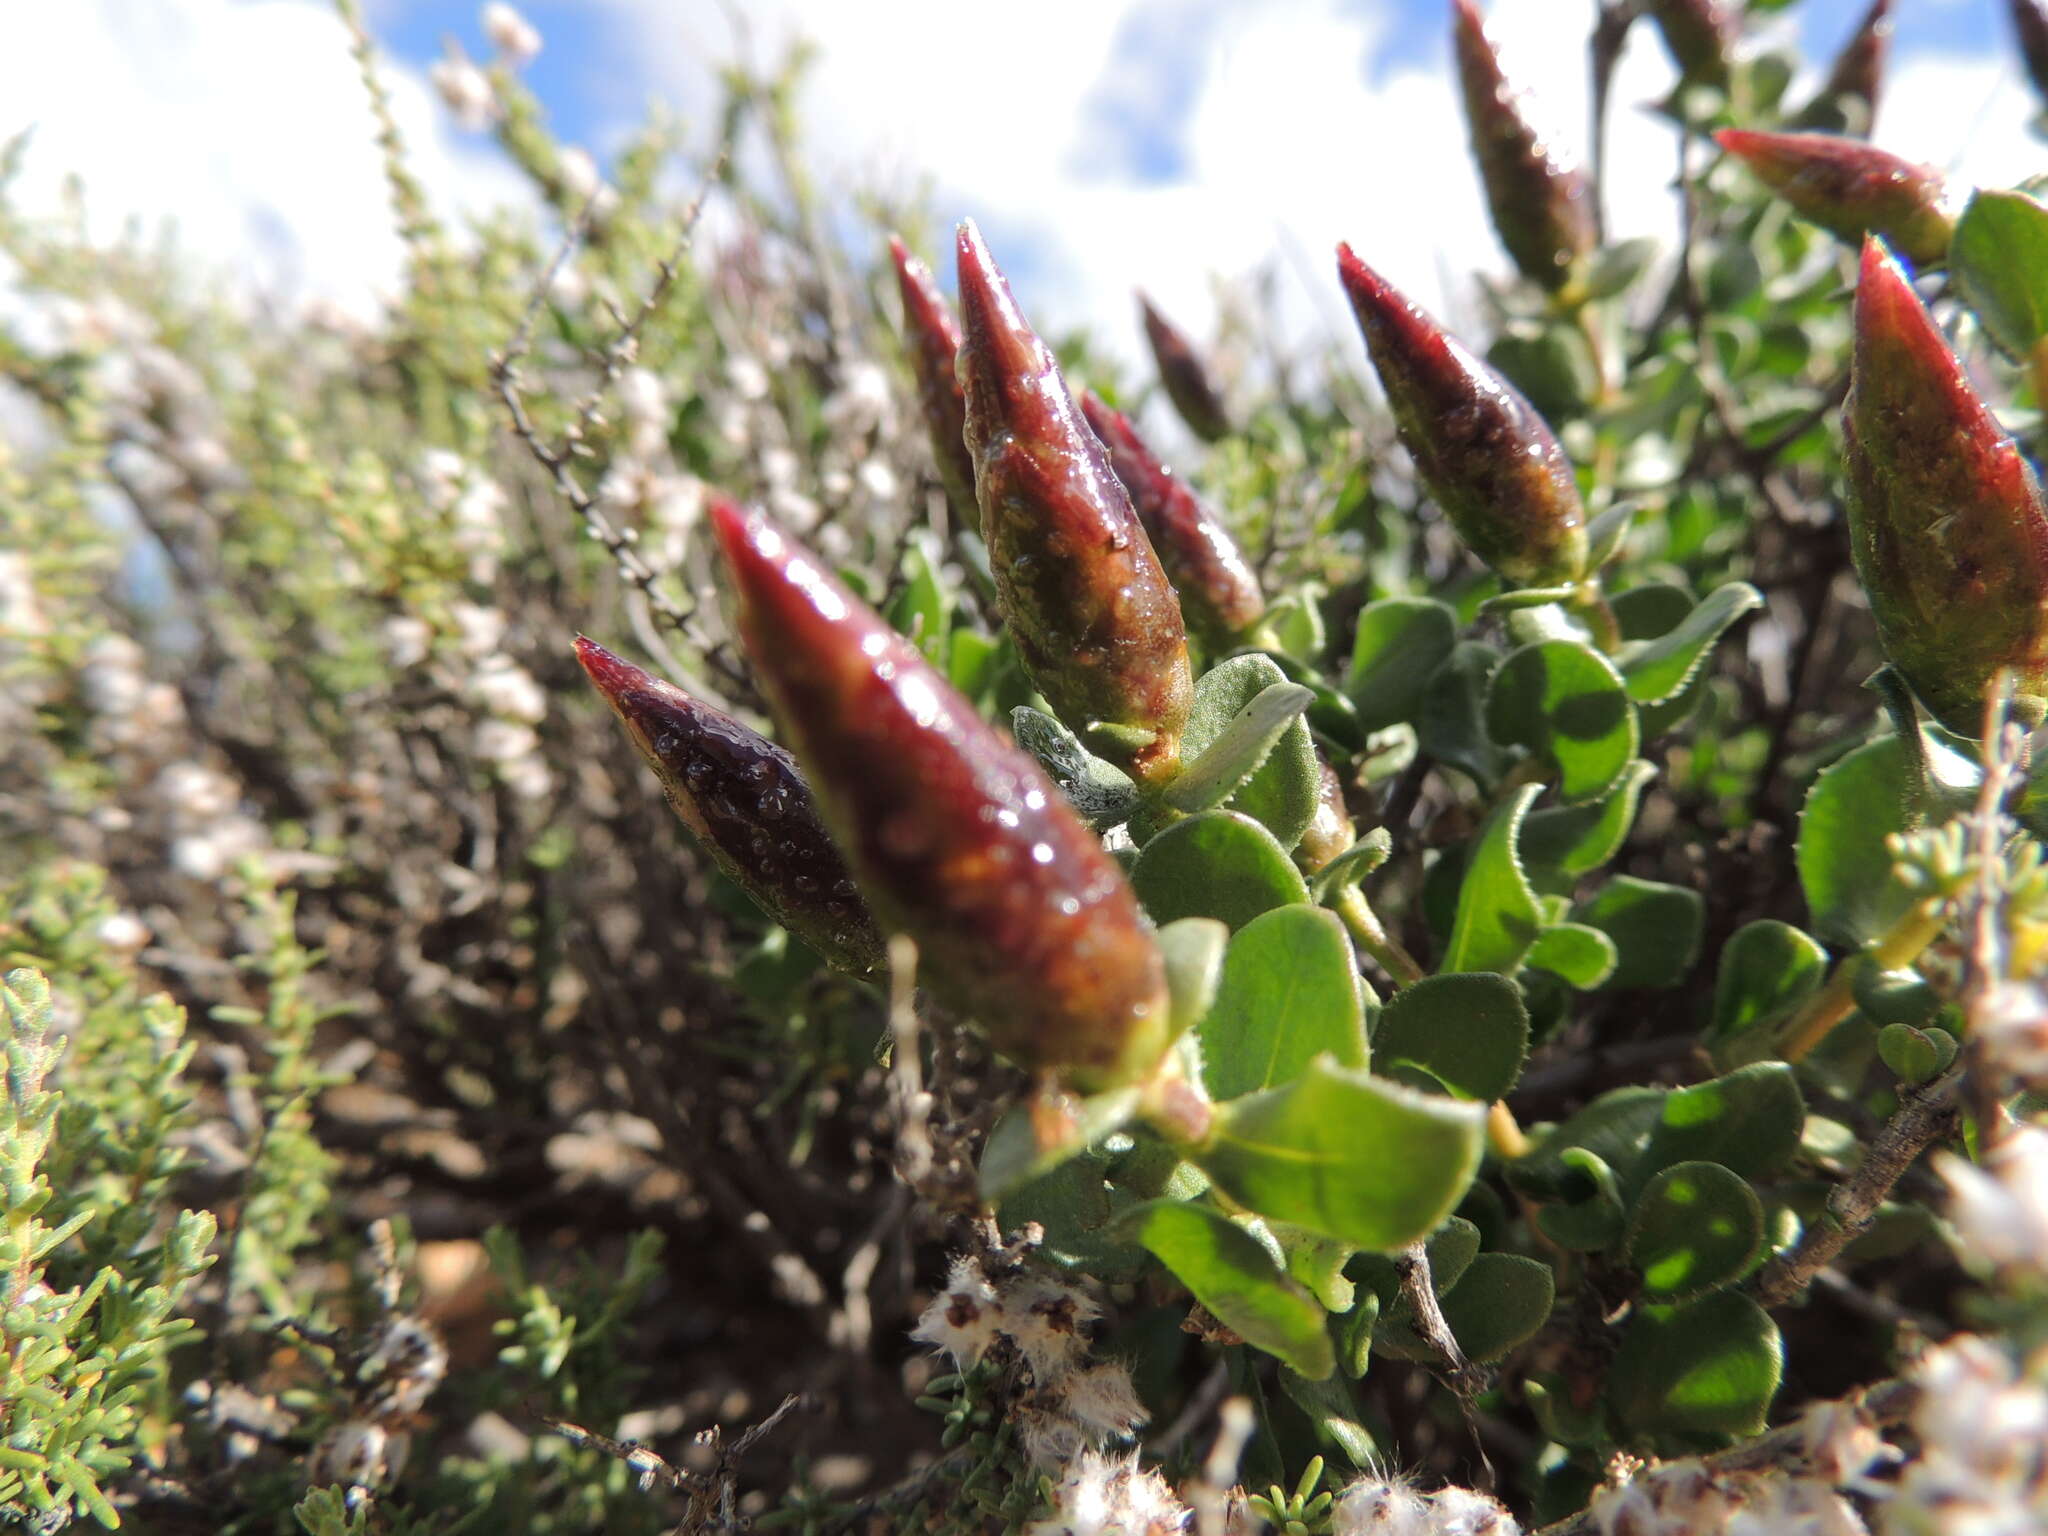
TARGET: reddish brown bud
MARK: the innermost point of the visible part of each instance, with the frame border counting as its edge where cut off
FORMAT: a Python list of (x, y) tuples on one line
[(1542, 208), (1847, 99), (1095, 621), (1219, 591), (932, 338), (1850, 189), (1329, 831), (2030, 28), (1185, 375), (749, 806), (1946, 519), (1489, 460), (957, 837), (1700, 36)]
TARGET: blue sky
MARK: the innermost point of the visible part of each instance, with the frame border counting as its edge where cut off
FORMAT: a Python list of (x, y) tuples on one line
[(1102, 143)]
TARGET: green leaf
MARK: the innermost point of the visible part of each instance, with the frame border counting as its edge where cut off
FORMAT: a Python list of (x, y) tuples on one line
[(1562, 843), (1234, 1276), (1317, 1262), (1026, 1145), (1658, 670), (1501, 1300), (1498, 917), (1999, 258), (1615, 1127), (1102, 793), (1219, 864), (1282, 788), (1915, 1055), (1334, 1412), (1289, 993), (1844, 866), (1193, 951), (1400, 642), (1565, 703), (1589, 1215), (1696, 1227), (1294, 620), (1450, 722), (1703, 1368), (1652, 610), (1346, 1155), (1077, 1208), (1469, 1030), (1767, 967), (1582, 956), (1655, 929), (922, 609), (1243, 744), (1351, 866), (1749, 1121)]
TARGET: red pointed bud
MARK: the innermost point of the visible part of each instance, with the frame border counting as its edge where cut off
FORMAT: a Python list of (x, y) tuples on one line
[(1094, 618), (749, 806), (1946, 519), (1542, 208), (957, 837), (931, 337), (1851, 189), (1847, 100), (2030, 29), (1485, 455), (1185, 375), (1700, 36), (1219, 591)]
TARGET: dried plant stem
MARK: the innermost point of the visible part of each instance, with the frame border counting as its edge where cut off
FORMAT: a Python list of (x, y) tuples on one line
[(1928, 1114)]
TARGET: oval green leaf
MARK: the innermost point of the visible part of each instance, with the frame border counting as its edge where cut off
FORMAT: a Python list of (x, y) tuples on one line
[(1498, 918), (2000, 261), (1707, 1368), (1347, 1155), (1658, 670), (1565, 703), (1767, 967), (1696, 1227), (1289, 993), (1470, 1031), (1219, 864), (1655, 929), (1279, 786), (1400, 642), (1232, 1274)]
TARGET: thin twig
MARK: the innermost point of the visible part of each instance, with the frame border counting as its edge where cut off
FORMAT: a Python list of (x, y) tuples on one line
[(1928, 1114)]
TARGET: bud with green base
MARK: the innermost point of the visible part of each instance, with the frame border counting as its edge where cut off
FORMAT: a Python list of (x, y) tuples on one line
[(958, 839), (1096, 623), (1851, 189), (1947, 523)]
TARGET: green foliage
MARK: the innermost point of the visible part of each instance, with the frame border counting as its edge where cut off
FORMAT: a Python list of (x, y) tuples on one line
[(336, 901)]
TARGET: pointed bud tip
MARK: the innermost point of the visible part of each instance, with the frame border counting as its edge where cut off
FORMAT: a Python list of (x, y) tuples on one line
[(899, 251), (1363, 284), (611, 673)]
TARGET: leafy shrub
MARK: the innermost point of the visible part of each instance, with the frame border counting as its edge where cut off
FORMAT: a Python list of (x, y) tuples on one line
[(1408, 947)]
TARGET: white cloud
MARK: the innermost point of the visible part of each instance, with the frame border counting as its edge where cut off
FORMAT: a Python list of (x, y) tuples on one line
[(242, 123)]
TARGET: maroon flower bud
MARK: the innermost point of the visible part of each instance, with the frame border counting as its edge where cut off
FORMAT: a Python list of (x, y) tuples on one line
[(1847, 100), (1946, 520), (1850, 189), (1219, 591), (2030, 26), (1542, 208), (1095, 621), (1700, 36), (957, 837), (1485, 455), (1185, 375), (1329, 831), (932, 338), (749, 806)]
